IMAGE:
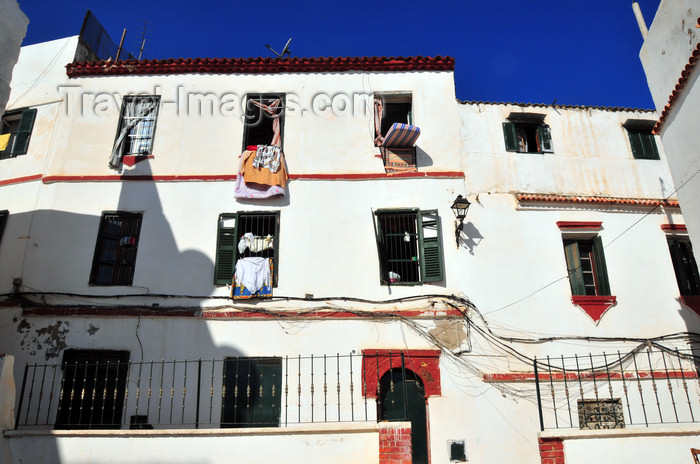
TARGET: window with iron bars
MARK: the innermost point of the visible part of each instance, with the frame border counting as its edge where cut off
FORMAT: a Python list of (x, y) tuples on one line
[(115, 251), (409, 243), (600, 414), (138, 118), (242, 235), (92, 389)]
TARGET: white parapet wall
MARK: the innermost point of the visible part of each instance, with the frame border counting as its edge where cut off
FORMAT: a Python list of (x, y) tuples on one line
[(340, 443), (669, 445)]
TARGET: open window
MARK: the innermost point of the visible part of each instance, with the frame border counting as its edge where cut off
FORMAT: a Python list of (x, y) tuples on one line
[(15, 132), (586, 265), (247, 239), (395, 133), (137, 125), (684, 265), (409, 244), (264, 120), (92, 389), (115, 252), (252, 392), (527, 133), (642, 140)]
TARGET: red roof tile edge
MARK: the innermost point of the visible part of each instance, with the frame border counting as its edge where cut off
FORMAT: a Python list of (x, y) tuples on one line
[(259, 65), (685, 74), (525, 197)]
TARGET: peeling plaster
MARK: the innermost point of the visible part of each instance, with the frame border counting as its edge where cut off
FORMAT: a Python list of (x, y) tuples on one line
[(92, 329), (450, 332), (50, 339)]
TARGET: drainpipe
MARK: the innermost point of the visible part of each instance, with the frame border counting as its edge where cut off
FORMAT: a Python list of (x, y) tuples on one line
[(640, 20)]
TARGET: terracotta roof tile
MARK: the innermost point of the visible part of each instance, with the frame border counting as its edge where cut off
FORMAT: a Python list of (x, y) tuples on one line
[(685, 74), (535, 197), (259, 65), (544, 105)]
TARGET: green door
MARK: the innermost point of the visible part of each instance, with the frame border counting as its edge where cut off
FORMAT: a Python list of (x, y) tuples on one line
[(403, 399)]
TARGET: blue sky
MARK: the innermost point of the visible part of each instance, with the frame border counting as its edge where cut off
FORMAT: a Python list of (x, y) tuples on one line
[(578, 52)]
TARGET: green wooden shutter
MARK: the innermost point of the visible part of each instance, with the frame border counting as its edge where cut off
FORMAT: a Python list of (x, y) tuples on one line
[(573, 264), (648, 144), (226, 250), (381, 249), (253, 389), (544, 135), (510, 136), (636, 144), (430, 244), (24, 132), (601, 270)]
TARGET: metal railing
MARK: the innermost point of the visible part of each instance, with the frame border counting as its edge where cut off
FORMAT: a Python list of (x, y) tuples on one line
[(642, 388), (85, 393)]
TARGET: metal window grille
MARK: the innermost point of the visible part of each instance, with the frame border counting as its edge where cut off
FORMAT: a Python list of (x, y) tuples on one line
[(115, 252), (399, 237)]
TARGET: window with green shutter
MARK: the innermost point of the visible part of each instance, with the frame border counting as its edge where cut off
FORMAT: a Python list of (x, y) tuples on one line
[(527, 137), (409, 245), (16, 132), (243, 235), (585, 262), (643, 144)]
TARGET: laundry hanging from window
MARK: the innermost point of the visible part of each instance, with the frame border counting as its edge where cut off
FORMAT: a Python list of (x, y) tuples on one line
[(261, 173)]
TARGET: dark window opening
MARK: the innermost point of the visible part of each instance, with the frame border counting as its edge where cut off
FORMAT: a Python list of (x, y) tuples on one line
[(684, 265), (15, 132), (410, 246), (92, 389), (252, 392), (527, 137), (394, 108), (259, 124), (115, 251), (245, 235), (586, 265)]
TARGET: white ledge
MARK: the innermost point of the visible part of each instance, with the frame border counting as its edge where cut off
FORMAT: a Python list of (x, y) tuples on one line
[(295, 429), (653, 431)]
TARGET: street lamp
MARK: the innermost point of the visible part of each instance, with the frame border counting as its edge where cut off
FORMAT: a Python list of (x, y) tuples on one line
[(460, 207)]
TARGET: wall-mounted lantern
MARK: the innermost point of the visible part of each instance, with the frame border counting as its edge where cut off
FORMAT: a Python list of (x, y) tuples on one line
[(460, 207)]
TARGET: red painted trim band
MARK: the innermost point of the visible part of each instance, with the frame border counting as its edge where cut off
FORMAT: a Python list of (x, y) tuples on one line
[(424, 363), (19, 180), (567, 225), (232, 177), (680, 227), (559, 376), (433, 174), (234, 314)]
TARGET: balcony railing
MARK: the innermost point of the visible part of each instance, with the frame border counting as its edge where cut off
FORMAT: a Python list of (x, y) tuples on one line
[(106, 391), (647, 387)]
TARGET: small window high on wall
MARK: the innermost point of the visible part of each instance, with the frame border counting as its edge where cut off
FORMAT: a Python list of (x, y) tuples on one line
[(15, 132), (264, 120), (390, 109), (527, 133)]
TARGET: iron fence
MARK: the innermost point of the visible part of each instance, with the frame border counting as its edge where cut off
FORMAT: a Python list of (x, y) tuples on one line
[(103, 390), (643, 388)]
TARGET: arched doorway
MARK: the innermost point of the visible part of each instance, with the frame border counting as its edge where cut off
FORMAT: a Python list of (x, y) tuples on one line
[(402, 398)]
